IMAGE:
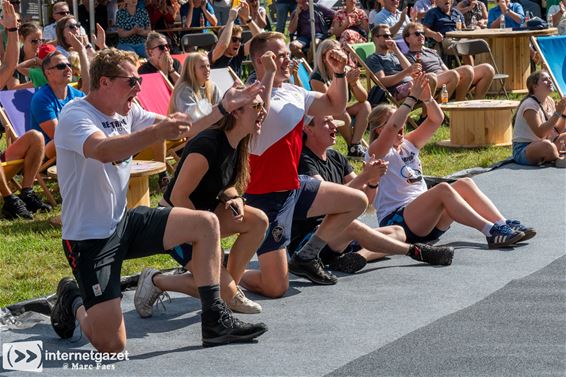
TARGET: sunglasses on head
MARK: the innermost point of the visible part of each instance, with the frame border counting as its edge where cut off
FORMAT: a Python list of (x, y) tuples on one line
[(236, 40), (63, 13), (61, 66), (162, 47), (418, 33), (132, 80), (74, 26)]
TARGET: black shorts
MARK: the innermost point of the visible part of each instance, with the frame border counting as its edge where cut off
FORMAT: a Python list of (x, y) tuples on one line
[(97, 263), (397, 218)]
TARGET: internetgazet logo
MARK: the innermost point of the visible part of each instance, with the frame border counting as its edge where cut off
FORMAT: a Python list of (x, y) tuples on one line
[(23, 356)]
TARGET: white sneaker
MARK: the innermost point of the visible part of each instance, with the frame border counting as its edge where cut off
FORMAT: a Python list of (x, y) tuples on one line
[(146, 293), (241, 304)]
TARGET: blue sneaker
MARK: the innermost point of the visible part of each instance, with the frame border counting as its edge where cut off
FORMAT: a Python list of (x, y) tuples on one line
[(516, 225), (503, 236)]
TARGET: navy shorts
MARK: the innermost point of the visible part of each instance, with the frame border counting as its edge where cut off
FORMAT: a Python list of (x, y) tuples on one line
[(396, 218), (520, 154), (281, 208), (97, 263)]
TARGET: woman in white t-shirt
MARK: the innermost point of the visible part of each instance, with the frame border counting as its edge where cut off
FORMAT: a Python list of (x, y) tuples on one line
[(194, 93), (403, 198), (539, 123)]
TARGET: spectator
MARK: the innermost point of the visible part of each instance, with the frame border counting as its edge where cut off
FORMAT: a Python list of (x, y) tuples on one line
[(162, 13), (391, 16), (221, 9), (284, 8), (423, 6), (471, 9), (301, 26), (229, 51), (375, 9), (28, 147), (31, 38), (133, 27), (403, 198), (350, 24), (194, 93), (100, 13), (539, 124), (558, 11), (440, 20), (514, 14), (60, 9), (48, 101), (159, 58), (357, 244), (458, 80), (67, 28), (35, 72), (198, 13), (389, 64), (360, 109), (257, 14), (211, 175)]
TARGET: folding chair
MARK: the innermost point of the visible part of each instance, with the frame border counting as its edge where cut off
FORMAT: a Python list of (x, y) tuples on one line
[(373, 77), (224, 78), (551, 49), (363, 51), (478, 47), (154, 96), (192, 42), (11, 169), (14, 115)]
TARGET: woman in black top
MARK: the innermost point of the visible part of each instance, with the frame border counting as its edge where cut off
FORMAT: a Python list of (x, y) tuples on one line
[(211, 174)]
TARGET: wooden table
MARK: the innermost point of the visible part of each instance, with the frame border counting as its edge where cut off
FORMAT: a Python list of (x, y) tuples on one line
[(480, 123), (138, 186), (510, 50)]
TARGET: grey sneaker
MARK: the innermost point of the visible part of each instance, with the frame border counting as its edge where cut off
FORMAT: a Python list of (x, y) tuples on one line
[(241, 304), (147, 293)]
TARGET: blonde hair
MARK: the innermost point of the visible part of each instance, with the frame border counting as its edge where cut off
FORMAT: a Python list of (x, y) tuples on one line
[(107, 63), (188, 76), (378, 118), (323, 48)]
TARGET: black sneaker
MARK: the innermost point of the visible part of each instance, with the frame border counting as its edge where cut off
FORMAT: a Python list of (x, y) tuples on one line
[(516, 225), (348, 262), (15, 208), (220, 327), (62, 316), (356, 151), (435, 255), (34, 203), (311, 270)]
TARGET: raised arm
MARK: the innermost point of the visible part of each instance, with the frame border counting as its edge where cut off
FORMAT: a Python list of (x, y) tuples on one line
[(12, 53), (77, 46), (435, 116), (334, 101), (225, 36)]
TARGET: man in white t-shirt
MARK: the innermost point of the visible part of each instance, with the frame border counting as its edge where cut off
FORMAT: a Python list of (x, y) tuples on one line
[(95, 139), (275, 186)]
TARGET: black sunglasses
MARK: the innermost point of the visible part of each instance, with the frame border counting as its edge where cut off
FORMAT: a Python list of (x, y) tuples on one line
[(162, 47), (132, 80), (61, 66), (74, 26), (418, 33), (37, 41), (236, 39), (63, 13), (385, 36)]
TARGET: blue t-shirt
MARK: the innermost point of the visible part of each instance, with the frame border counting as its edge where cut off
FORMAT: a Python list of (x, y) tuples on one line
[(495, 12), (195, 22), (46, 106), (437, 20)]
